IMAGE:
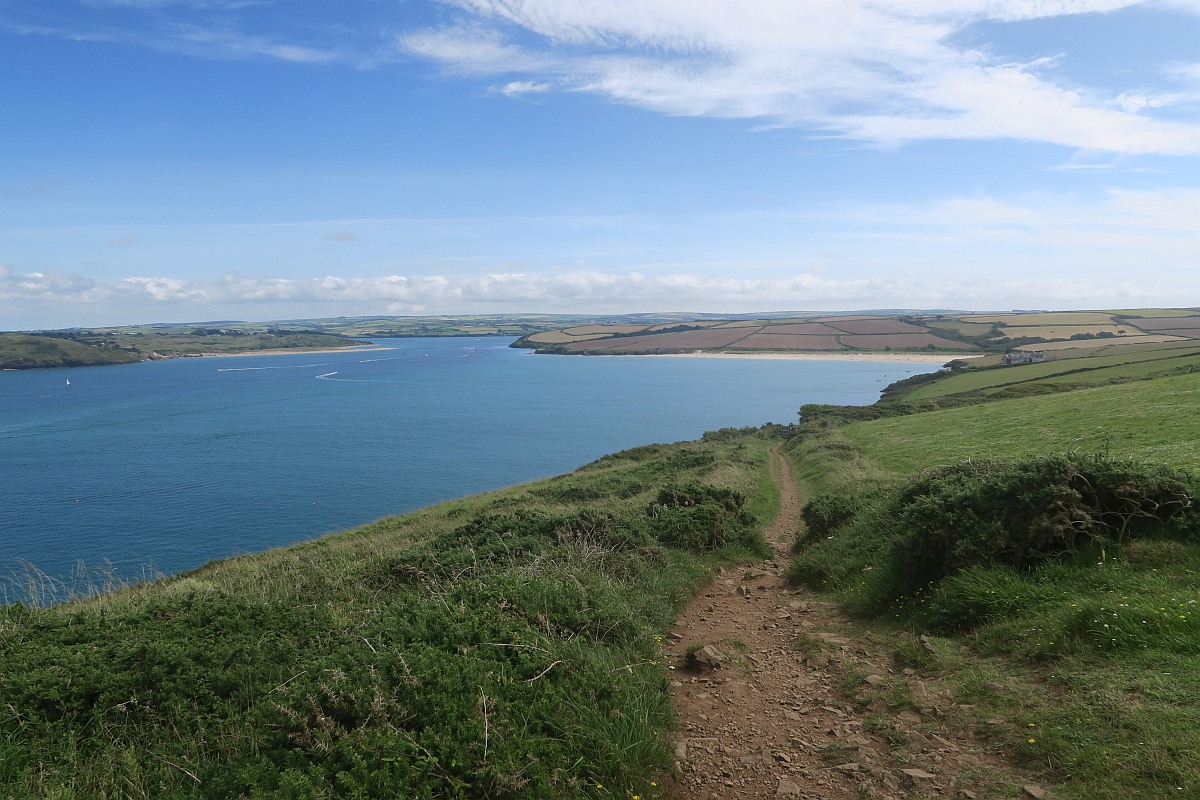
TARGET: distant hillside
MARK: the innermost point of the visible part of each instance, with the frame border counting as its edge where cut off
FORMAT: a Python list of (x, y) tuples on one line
[(86, 348), (27, 351), (1053, 333)]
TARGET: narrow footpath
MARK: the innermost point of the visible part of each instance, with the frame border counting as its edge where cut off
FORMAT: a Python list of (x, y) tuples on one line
[(796, 701)]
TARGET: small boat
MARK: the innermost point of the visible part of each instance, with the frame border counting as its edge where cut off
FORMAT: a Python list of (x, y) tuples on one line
[(68, 381)]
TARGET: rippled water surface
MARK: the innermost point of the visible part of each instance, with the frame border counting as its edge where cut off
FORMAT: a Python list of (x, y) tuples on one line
[(174, 463)]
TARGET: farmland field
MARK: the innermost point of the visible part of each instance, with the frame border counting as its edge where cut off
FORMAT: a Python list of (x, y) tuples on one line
[(802, 328), (856, 332), (963, 327), (1125, 419), (1167, 323), (559, 337), (902, 341), (1045, 318), (1086, 370), (1063, 331), (869, 327), (783, 341), (1096, 344)]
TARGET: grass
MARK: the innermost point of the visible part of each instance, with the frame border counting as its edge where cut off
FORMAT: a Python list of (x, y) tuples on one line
[(1083, 667), (1150, 420), (506, 645), (1081, 370)]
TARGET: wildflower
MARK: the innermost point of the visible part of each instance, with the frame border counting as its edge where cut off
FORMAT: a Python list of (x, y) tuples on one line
[(1032, 740)]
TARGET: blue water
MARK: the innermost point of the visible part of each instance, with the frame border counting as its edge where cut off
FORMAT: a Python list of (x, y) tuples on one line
[(173, 463)]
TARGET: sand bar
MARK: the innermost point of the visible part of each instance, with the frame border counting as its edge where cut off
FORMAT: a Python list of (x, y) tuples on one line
[(294, 350), (924, 358)]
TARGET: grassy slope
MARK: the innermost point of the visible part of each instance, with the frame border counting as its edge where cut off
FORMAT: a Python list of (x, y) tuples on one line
[(505, 645), (1153, 420), (1088, 670), (23, 351), (1079, 369)]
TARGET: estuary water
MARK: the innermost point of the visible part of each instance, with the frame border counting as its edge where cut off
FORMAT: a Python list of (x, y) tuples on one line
[(161, 466)]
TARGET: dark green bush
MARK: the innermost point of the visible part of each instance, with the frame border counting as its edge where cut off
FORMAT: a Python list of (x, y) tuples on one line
[(1016, 514), (826, 512), (699, 518), (1025, 513)]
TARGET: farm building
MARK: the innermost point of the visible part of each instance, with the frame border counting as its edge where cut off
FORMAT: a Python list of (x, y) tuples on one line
[(1012, 359)]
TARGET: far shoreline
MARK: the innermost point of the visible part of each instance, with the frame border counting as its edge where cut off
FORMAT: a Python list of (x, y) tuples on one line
[(923, 358), (366, 348)]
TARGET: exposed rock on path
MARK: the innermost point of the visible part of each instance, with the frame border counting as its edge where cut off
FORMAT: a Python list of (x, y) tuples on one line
[(799, 708)]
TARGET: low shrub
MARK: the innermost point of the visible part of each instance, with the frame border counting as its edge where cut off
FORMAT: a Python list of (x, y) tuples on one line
[(827, 512), (1020, 515)]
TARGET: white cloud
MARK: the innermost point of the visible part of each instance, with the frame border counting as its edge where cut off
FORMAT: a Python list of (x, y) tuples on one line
[(518, 88), (882, 72), (1121, 248)]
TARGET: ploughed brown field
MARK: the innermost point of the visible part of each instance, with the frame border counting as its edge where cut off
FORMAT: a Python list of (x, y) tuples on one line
[(903, 341), (1173, 325), (876, 326), (777, 341)]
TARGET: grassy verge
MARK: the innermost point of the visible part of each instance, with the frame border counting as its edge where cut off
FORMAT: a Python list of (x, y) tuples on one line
[(507, 645), (1056, 591)]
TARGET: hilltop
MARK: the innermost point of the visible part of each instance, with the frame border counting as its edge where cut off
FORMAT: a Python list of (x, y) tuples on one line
[(1046, 333), (88, 348)]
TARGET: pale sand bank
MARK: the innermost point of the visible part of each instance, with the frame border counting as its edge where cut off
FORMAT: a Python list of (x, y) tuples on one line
[(924, 358), (297, 350)]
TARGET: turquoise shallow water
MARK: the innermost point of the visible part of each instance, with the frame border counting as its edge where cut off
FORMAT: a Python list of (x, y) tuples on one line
[(174, 463)]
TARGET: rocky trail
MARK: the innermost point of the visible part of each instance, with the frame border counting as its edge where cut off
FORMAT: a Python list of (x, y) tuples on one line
[(786, 697)]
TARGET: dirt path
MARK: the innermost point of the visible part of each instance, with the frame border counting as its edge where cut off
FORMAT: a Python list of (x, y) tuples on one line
[(807, 704)]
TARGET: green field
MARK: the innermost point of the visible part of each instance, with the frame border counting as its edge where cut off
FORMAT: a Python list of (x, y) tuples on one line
[(1062, 369), (1154, 420)]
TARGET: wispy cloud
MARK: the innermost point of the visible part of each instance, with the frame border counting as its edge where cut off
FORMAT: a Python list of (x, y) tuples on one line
[(880, 72), (210, 29)]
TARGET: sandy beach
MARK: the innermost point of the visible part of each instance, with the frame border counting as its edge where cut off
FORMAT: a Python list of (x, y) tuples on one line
[(924, 358), (286, 350)]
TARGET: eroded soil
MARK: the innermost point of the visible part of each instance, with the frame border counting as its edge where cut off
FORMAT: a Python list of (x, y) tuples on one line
[(810, 704)]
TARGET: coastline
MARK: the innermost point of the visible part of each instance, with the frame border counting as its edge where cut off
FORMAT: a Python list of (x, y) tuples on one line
[(286, 350), (924, 358)]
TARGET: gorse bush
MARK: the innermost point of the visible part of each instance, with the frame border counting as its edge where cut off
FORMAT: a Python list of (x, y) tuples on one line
[(824, 513), (1018, 514), (701, 518)]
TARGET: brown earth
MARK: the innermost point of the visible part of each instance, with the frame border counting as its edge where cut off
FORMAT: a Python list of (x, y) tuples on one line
[(785, 341), (875, 326), (804, 703)]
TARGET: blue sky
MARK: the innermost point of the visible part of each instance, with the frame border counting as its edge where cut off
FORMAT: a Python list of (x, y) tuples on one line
[(188, 160)]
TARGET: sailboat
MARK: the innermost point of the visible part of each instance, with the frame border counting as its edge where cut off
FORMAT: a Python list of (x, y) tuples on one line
[(68, 381)]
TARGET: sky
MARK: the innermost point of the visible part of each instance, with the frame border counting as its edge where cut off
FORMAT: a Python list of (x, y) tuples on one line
[(202, 160)]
